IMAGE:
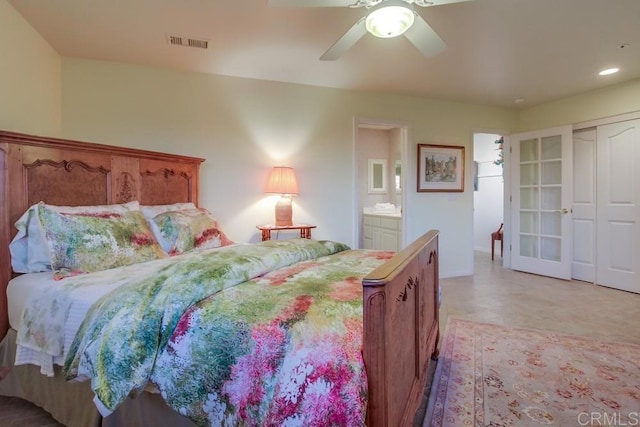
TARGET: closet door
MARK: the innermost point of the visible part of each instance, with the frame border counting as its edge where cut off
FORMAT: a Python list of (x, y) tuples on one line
[(583, 265), (618, 206)]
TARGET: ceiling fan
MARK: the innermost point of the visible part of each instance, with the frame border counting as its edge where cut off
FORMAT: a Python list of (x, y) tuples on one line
[(385, 19)]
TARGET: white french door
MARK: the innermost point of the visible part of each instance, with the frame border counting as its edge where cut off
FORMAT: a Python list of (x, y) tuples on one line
[(541, 184)]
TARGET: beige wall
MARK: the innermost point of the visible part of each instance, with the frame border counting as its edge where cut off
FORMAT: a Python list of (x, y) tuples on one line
[(243, 127), (30, 78), (610, 101)]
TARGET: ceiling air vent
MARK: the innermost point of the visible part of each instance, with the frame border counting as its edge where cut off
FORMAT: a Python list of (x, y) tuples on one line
[(172, 39)]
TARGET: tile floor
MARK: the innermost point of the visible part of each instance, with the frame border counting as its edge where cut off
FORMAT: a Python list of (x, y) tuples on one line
[(496, 295)]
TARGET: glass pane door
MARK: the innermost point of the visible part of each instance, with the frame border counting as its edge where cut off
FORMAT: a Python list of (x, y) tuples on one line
[(539, 163)]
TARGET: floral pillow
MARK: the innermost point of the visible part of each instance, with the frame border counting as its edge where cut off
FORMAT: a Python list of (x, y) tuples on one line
[(84, 242), (189, 229), (29, 250), (151, 211)]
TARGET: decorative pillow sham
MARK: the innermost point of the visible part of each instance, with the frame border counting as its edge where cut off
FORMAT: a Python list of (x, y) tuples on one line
[(151, 211), (29, 250), (188, 230), (87, 241)]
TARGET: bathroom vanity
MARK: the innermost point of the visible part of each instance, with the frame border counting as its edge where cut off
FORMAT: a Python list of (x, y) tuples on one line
[(382, 230)]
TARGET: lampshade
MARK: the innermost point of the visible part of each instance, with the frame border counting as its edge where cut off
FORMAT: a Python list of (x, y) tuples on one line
[(390, 19), (282, 180)]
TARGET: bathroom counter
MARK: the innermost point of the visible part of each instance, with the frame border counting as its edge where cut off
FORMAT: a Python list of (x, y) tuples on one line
[(370, 211)]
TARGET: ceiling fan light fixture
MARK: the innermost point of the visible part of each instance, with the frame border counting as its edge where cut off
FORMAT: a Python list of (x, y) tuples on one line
[(390, 19)]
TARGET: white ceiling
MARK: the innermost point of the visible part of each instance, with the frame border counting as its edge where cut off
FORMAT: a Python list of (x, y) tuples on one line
[(498, 50)]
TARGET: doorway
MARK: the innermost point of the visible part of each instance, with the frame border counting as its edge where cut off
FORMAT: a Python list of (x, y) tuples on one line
[(380, 177), (488, 190)]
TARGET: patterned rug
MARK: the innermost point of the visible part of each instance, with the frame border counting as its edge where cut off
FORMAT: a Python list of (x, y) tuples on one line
[(489, 375)]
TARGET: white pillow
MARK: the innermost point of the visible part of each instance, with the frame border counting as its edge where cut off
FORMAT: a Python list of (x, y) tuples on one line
[(29, 250)]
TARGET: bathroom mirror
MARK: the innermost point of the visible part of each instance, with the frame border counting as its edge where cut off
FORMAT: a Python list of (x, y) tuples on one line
[(398, 176), (377, 175)]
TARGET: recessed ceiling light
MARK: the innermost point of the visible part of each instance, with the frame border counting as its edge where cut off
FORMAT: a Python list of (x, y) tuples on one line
[(518, 100), (609, 71)]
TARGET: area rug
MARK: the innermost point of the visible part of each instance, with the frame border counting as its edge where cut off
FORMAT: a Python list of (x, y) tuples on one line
[(490, 375)]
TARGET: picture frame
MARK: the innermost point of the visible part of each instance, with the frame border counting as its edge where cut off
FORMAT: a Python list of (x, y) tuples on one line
[(377, 176), (440, 168)]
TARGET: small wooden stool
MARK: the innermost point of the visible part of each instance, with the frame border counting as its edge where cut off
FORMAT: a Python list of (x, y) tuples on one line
[(497, 235)]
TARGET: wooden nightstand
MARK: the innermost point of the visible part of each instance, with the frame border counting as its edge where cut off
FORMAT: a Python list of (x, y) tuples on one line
[(305, 230)]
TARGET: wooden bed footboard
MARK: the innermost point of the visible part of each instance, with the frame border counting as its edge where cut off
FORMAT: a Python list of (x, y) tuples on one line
[(401, 331)]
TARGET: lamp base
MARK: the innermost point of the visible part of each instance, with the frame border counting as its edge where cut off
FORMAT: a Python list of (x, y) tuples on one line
[(284, 212)]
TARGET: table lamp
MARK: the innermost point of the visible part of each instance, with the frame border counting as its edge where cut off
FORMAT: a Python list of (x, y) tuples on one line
[(282, 181)]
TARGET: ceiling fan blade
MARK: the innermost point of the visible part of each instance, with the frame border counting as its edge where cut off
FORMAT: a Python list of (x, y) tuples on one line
[(429, 3), (311, 3), (424, 38), (345, 42)]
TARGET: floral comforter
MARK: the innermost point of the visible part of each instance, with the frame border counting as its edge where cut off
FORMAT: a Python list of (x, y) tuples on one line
[(264, 334)]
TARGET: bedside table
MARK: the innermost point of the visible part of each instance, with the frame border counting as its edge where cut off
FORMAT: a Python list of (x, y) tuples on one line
[(305, 230)]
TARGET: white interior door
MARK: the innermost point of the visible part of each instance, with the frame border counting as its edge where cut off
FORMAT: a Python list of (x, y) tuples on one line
[(618, 206), (583, 265), (541, 185)]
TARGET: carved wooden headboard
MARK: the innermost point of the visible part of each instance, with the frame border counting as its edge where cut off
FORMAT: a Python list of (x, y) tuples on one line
[(73, 173)]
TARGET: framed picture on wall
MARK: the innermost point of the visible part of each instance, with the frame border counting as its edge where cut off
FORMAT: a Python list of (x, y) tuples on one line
[(377, 176), (440, 168)]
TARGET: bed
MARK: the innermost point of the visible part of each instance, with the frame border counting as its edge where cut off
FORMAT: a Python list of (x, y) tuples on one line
[(399, 293)]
